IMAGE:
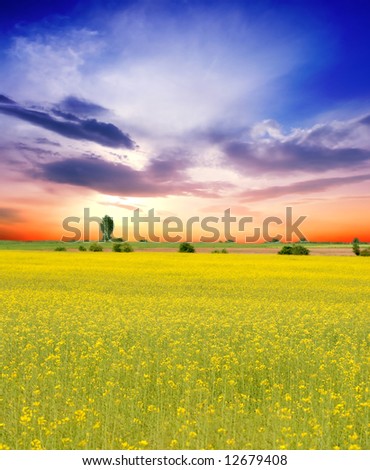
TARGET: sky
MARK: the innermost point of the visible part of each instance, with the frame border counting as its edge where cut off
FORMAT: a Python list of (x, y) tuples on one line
[(186, 107)]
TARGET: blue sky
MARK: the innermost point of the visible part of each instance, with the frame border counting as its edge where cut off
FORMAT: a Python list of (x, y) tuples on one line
[(158, 103)]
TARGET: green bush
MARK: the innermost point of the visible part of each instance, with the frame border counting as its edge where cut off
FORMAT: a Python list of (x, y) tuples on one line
[(117, 239), (286, 250), (186, 247), (82, 248), (126, 248), (300, 250), (95, 247), (294, 250), (215, 251), (122, 247), (60, 248), (365, 252)]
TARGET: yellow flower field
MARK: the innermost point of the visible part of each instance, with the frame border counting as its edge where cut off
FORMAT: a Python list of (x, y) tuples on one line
[(182, 351)]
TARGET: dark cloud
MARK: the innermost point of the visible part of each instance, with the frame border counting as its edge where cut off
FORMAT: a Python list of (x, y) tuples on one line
[(40, 152), (365, 120), (282, 157), (301, 187), (70, 126), (81, 107), (165, 170), (6, 100), (67, 116), (121, 180)]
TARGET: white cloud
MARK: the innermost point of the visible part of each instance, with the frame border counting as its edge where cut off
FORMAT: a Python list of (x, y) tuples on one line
[(47, 67), (163, 76)]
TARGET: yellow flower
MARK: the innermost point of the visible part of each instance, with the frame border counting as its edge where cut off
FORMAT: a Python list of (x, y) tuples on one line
[(36, 444), (80, 415)]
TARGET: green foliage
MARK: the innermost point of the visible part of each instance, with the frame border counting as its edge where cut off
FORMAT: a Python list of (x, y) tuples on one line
[(224, 250), (95, 247), (122, 247), (215, 251), (127, 248), (294, 250), (60, 248), (107, 227), (117, 239), (186, 247), (300, 250), (286, 250), (365, 252), (356, 247), (82, 248)]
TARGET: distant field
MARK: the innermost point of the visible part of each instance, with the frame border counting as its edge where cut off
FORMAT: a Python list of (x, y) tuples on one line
[(182, 351), (51, 245)]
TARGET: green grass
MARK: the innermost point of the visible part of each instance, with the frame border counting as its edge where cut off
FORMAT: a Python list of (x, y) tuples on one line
[(51, 245)]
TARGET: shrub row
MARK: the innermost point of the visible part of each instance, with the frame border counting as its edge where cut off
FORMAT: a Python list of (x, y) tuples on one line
[(294, 250), (122, 247)]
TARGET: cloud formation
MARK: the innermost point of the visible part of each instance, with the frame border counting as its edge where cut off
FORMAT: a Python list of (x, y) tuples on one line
[(301, 187), (81, 107), (69, 125), (267, 150), (283, 157), (122, 180)]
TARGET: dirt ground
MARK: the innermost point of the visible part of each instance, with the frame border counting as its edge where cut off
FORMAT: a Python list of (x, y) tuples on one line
[(345, 251)]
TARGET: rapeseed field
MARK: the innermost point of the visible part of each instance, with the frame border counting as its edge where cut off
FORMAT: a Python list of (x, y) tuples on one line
[(184, 351)]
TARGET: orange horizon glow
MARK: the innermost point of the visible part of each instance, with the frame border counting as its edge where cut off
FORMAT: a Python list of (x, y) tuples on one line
[(313, 232)]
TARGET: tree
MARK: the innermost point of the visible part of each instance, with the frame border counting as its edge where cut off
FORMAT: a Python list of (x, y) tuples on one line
[(356, 246), (106, 227)]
